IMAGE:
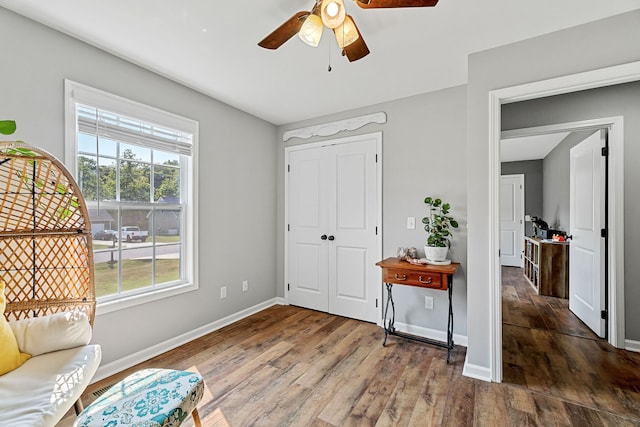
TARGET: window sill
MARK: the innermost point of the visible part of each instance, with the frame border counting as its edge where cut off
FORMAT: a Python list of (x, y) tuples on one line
[(134, 300)]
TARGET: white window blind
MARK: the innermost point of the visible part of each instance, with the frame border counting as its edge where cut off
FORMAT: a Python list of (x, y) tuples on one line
[(118, 127)]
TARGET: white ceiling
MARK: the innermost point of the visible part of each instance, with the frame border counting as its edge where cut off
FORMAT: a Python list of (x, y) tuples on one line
[(534, 147), (211, 45)]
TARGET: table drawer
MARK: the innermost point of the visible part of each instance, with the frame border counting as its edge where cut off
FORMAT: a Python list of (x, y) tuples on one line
[(414, 278)]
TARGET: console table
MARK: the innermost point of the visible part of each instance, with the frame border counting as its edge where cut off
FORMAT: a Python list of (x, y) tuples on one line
[(399, 272)]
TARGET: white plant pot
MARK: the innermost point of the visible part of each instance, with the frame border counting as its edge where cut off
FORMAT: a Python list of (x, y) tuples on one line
[(435, 253)]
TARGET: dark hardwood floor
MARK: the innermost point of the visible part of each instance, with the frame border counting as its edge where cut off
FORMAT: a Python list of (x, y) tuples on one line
[(548, 350), (288, 366)]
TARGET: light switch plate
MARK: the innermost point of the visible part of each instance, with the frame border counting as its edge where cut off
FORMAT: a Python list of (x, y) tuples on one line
[(411, 223)]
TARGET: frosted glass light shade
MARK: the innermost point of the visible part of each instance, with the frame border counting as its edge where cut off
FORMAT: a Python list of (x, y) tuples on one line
[(333, 13), (346, 33), (311, 30)]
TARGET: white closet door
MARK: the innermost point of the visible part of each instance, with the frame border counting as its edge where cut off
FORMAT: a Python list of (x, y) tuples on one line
[(332, 245), (308, 221), (354, 279)]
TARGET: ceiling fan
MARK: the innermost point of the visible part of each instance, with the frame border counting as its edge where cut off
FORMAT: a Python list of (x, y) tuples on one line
[(332, 14)]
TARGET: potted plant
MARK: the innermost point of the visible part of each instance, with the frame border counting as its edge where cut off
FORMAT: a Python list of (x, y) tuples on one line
[(438, 225)]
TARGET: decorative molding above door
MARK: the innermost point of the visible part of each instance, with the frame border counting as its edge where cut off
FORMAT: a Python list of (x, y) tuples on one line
[(332, 128)]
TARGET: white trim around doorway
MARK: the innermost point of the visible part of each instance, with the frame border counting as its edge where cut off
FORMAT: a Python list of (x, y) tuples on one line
[(567, 84)]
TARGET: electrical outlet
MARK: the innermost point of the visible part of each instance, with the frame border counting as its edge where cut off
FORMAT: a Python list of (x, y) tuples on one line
[(411, 223), (428, 302), (223, 292), (245, 285)]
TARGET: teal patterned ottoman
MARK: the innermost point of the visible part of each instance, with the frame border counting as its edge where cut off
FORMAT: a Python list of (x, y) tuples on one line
[(149, 398)]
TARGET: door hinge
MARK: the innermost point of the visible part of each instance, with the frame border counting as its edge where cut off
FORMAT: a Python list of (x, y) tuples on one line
[(376, 302), (604, 151), (288, 168), (288, 286), (521, 186), (376, 230), (376, 158), (604, 314), (288, 227), (603, 233)]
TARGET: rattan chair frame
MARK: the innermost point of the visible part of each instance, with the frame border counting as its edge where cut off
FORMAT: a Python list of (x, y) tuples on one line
[(46, 248)]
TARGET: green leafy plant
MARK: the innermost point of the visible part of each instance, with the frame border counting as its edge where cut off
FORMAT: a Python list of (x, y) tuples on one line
[(438, 223), (7, 127)]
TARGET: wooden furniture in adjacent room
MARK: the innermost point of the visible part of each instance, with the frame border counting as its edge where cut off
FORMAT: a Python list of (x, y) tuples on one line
[(546, 266), (396, 271)]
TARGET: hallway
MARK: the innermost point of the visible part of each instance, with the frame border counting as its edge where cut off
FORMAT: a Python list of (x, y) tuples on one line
[(548, 350)]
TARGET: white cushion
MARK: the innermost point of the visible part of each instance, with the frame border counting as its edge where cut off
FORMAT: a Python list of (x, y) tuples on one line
[(60, 331), (41, 391)]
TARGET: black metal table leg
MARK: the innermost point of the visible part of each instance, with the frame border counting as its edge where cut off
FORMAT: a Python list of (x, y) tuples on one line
[(450, 321), (388, 329)]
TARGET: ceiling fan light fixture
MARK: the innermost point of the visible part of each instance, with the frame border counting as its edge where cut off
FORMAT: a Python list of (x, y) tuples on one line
[(311, 30), (333, 13), (346, 33)]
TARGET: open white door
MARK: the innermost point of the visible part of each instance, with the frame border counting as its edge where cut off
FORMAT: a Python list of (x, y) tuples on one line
[(586, 218), (511, 220)]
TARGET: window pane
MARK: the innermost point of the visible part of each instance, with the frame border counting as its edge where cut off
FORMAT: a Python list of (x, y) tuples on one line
[(129, 151), (108, 147), (166, 184), (106, 255), (165, 158), (87, 176), (137, 249), (86, 143), (135, 181), (108, 181), (168, 245)]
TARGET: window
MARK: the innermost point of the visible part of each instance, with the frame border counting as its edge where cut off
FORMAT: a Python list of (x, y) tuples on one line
[(134, 165)]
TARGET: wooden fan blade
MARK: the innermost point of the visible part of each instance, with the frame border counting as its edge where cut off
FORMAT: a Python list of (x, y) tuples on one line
[(377, 4), (356, 50), (284, 32)]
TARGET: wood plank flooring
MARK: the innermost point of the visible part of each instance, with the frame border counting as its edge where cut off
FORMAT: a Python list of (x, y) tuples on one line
[(288, 366)]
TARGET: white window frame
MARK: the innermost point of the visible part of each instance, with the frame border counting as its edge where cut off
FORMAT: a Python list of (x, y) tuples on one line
[(76, 93)]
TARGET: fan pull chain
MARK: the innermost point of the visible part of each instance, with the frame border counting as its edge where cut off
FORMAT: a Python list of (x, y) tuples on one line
[(329, 67)]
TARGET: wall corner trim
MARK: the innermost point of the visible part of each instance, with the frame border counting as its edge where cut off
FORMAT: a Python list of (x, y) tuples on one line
[(332, 128), (476, 371)]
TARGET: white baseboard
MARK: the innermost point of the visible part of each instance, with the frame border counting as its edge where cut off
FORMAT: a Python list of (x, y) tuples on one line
[(476, 371), (632, 345), (433, 334), (116, 366)]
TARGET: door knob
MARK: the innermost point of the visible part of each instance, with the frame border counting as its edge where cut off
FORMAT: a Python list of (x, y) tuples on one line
[(323, 237), (331, 238)]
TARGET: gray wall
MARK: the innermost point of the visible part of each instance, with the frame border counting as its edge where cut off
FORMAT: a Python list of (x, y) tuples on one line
[(533, 194), (423, 146), (586, 47), (236, 164), (556, 182)]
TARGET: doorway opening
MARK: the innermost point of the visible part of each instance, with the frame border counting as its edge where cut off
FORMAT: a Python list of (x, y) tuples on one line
[(578, 82)]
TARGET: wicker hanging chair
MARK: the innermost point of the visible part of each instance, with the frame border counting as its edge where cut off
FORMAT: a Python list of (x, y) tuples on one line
[(46, 255)]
